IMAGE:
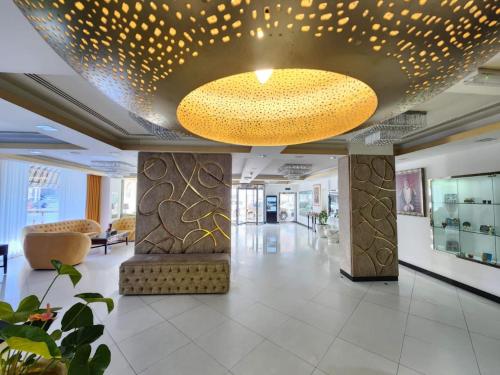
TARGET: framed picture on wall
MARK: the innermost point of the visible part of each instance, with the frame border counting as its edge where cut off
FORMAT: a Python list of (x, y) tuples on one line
[(410, 192), (317, 195)]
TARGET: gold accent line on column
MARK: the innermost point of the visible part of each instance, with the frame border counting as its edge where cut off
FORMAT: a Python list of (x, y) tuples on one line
[(192, 214)]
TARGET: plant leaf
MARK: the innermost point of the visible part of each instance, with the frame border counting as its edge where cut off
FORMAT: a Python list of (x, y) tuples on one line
[(96, 297), (81, 336), (29, 304), (80, 363), (56, 335), (79, 315), (66, 269), (30, 339), (100, 361), (6, 311)]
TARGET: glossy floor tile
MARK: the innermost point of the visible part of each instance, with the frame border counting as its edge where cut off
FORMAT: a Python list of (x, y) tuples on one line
[(288, 312)]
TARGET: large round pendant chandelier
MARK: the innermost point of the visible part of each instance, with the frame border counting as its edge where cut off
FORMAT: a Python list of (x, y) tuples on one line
[(269, 72)]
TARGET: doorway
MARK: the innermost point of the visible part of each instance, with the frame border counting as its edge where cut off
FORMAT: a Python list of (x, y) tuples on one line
[(288, 207), (250, 205)]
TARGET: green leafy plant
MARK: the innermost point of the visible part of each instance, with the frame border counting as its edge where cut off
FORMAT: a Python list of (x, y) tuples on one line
[(30, 347), (323, 217)]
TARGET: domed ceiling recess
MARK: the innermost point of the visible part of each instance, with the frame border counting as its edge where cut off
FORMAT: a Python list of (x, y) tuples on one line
[(258, 72)]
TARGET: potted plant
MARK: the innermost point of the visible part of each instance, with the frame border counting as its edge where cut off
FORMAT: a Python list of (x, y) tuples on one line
[(29, 346), (322, 227)]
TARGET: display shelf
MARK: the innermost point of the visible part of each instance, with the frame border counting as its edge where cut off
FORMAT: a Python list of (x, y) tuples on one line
[(456, 229), (478, 260), (479, 204), (447, 205)]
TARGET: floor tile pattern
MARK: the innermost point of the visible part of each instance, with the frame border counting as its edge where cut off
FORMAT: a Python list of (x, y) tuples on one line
[(289, 312)]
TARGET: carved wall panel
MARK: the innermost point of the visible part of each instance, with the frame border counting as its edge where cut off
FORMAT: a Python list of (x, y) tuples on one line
[(373, 238), (183, 203)]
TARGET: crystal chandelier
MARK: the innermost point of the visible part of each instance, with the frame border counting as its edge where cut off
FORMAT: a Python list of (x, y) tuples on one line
[(391, 131), (295, 171)]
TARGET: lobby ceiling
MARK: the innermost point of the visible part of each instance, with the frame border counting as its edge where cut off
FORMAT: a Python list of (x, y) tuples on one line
[(149, 57), (46, 90)]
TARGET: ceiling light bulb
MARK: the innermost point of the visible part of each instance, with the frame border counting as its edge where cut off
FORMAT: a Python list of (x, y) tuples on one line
[(263, 75)]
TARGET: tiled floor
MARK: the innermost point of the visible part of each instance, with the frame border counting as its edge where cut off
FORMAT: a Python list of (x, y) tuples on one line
[(288, 312)]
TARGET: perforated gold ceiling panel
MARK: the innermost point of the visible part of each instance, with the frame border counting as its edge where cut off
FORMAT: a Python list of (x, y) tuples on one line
[(148, 55), (293, 106)]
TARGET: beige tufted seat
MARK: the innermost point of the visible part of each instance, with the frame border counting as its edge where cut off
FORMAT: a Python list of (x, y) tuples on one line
[(126, 223), (67, 241), (175, 274)]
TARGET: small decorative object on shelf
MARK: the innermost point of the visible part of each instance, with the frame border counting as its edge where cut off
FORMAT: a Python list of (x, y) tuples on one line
[(487, 229), (469, 200), (487, 257), (466, 226), (453, 246), (451, 198), (452, 222), (489, 202), (470, 256)]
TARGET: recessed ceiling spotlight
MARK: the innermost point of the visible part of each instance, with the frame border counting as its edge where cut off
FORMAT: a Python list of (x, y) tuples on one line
[(34, 152), (263, 75), (262, 156), (46, 128), (333, 157)]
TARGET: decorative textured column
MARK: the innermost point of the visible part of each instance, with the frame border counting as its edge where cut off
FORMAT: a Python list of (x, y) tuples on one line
[(368, 231)]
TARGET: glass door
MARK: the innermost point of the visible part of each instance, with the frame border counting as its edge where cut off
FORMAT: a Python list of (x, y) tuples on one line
[(250, 205), (287, 208)]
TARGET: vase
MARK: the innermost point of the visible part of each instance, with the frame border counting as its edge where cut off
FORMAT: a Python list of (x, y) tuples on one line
[(322, 230)]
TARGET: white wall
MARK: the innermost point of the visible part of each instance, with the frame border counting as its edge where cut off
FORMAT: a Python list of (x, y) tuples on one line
[(414, 233), (111, 189), (328, 183)]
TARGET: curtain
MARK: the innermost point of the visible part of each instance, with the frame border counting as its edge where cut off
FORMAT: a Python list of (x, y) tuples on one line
[(13, 203), (93, 197), (72, 194)]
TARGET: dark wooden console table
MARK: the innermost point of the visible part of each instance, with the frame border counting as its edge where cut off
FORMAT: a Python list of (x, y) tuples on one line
[(107, 239)]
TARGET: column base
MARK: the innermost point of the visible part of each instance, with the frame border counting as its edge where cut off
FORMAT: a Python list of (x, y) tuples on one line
[(368, 278)]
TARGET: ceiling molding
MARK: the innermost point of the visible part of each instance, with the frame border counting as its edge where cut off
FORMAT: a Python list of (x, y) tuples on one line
[(460, 136), (331, 150), (53, 162), (454, 123), (30, 102), (321, 174), (54, 89), (41, 146), (188, 148)]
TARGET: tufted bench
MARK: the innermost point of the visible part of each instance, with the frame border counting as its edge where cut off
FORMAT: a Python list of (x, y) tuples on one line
[(175, 274)]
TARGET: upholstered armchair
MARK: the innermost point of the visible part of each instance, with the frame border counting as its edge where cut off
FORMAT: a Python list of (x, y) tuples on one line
[(125, 223), (67, 241)]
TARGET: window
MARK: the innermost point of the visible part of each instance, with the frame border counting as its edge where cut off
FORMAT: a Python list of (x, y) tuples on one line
[(129, 196), (43, 197)]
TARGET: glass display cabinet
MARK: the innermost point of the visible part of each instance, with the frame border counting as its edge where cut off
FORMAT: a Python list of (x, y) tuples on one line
[(465, 217)]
